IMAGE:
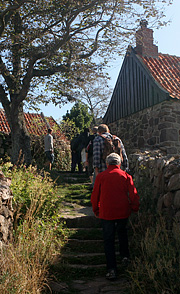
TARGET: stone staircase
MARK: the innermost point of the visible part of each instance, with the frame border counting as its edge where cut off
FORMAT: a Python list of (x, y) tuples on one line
[(82, 259), (84, 249)]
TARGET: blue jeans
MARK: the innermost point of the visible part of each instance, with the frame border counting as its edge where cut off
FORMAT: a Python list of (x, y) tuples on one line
[(109, 231)]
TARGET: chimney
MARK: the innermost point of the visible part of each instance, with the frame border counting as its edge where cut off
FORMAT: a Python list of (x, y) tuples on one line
[(144, 41)]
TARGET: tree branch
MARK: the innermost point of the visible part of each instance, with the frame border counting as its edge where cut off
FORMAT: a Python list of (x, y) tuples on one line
[(4, 99), (26, 81), (5, 73), (8, 12), (50, 71)]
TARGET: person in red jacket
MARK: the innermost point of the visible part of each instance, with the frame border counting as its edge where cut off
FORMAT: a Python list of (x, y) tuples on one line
[(113, 199)]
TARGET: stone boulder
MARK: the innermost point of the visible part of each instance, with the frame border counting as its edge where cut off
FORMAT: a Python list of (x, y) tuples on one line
[(174, 183), (6, 210)]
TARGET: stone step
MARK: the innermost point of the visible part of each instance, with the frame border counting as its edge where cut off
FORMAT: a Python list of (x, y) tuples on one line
[(86, 267), (83, 246), (82, 254), (86, 234), (83, 260), (82, 222)]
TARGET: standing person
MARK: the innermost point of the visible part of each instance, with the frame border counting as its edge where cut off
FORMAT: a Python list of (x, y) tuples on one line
[(49, 151), (85, 137), (113, 199), (76, 154), (89, 153), (98, 146)]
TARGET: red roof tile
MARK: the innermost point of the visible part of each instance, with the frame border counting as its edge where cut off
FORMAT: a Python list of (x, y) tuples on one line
[(35, 123), (166, 70)]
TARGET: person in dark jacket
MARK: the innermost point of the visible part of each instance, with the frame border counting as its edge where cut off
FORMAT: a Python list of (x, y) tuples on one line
[(89, 153), (113, 199), (76, 154)]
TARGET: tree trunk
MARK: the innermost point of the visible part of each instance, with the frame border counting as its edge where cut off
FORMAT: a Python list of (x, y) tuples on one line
[(21, 147)]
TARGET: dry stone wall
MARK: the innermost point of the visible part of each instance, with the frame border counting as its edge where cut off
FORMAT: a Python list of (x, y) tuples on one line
[(154, 127), (6, 210), (164, 174), (5, 145)]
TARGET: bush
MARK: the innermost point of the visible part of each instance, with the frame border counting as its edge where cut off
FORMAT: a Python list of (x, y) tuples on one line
[(37, 233), (62, 152)]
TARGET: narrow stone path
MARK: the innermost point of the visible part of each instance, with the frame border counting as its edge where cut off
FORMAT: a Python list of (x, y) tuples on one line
[(82, 258)]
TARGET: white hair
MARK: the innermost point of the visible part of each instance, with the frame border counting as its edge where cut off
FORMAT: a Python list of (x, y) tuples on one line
[(113, 159)]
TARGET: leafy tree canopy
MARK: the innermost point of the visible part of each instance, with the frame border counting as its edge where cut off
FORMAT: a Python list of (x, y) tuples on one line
[(69, 128), (66, 40), (79, 115)]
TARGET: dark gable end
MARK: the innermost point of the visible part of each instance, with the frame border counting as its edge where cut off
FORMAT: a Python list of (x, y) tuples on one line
[(135, 89), (145, 79)]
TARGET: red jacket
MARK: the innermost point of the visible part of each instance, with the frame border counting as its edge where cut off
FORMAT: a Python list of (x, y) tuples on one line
[(114, 195)]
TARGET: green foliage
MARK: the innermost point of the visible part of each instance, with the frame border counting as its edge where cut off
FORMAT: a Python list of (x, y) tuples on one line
[(62, 158), (79, 115), (38, 234), (69, 128), (34, 193), (155, 258)]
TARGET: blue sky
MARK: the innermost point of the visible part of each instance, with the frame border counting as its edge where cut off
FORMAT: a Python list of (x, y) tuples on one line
[(167, 39)]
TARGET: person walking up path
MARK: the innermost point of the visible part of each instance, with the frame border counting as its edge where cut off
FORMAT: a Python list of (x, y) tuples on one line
[(113, 199), (99, 162)]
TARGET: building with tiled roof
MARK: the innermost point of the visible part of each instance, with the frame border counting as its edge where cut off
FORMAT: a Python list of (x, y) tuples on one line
[(37, 124), (145, 105), (166, 71)]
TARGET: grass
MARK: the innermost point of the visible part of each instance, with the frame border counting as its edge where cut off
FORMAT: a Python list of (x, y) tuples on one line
[(72, 193)]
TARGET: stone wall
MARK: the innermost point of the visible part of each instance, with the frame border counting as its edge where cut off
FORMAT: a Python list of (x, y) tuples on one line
[(5, 145), (163, 172), (6, 210), (154, 127)]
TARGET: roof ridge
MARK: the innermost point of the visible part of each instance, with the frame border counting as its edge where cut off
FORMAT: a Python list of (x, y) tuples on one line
[(168, 54)]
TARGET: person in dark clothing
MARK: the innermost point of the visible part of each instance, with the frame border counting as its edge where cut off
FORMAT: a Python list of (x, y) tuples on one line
[(78, 145), (76, 154), (89, 153), (84, 136)]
